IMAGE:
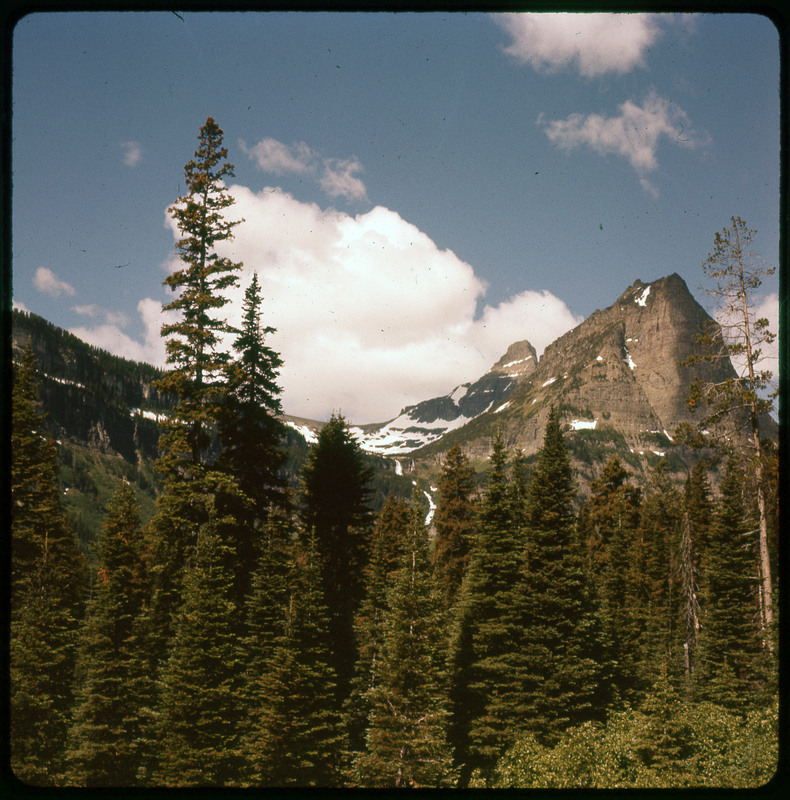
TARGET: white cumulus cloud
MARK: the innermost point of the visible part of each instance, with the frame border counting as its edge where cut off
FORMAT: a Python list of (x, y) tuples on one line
[(595, 44), (110, 336), (633, 134), (46, 281), (281, 159), (371, 315), (337, 177)]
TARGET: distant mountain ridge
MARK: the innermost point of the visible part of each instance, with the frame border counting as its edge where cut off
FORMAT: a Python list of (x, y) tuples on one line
[(616, 378), (429, 420)]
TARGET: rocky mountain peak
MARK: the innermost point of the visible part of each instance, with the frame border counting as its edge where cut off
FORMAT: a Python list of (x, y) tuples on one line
[(616, 377), (519, 360)]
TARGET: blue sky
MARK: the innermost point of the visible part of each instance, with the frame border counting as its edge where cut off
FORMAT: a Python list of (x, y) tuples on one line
[(418, 190)]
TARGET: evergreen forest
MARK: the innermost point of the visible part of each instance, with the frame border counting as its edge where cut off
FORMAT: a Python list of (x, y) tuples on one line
[(255, 635)]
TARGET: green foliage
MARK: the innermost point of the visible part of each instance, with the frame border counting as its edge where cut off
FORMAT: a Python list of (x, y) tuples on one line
[(250, 432), (454, 523), (197, 362), (608, 527), (90, 479), (562, 679), (719, 750), (47, 584), (406, 737), (486, 649), (199, 713), (729, 640), (388, 542), (296, 737), (251, 436), (592, 446), (334, 505), (657, 603), (107, 732)]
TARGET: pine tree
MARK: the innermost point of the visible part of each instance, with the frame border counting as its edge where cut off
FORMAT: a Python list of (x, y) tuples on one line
[(519, 492), (657, 604), (266, 610), (388, 541), (563, 679), (697, 502), (268, 600), (192, 483), (454, 522), (693, 552), (730, 605), (739, 402), (296, 737), (486, 649), (609, 528), (665, 743), (406, 739), (104, 738), (194, 341), (200, 709), (48, 579), (252, 435), (334, 498)]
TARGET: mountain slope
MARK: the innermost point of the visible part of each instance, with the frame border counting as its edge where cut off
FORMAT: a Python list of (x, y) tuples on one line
[(429, 420), (617, 381)]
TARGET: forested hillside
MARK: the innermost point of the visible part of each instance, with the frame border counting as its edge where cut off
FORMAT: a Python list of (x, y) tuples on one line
[(280, 620)]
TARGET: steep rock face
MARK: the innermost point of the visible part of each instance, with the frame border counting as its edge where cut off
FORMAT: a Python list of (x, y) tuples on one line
[(519, 361), (617, 373), (626, 358)]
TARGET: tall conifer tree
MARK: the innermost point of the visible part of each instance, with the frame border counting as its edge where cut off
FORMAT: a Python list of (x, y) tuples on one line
[(48, 582), (563, 682), (335, 483), (200, 709), (454, 522), (609, 529), (406, 740), (730, 639), (389, 538), (486, 651), (196, 378), (297, 737), (251, 436), (194, 340), (106, 735), (658, 574)]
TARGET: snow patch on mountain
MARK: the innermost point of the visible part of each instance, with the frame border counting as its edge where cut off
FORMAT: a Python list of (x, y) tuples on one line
[(309, 434), (404, 434), (459, 393), (583, 424), (431, 508), (147, 414), (642, 299)]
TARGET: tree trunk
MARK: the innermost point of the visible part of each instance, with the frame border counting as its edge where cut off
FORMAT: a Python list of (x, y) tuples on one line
[(766, 605)]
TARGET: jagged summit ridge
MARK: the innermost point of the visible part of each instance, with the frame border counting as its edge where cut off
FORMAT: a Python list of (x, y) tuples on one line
[(429, 420), (519, 360)]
